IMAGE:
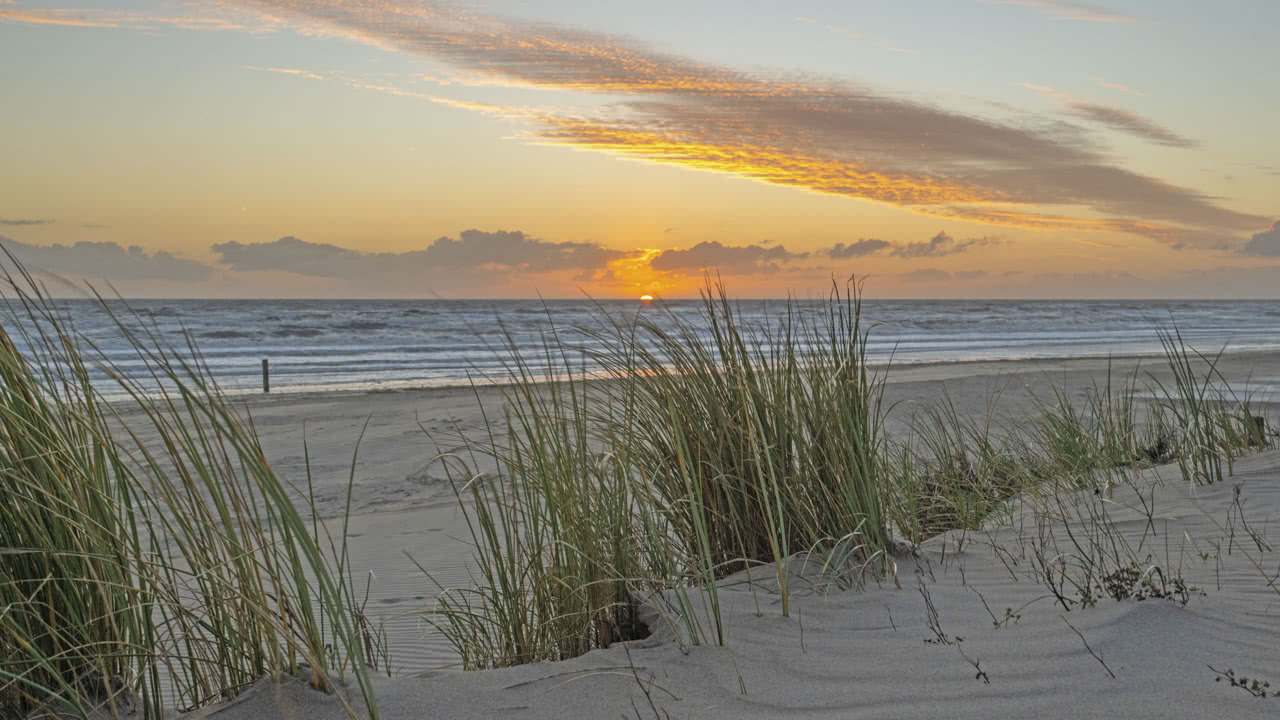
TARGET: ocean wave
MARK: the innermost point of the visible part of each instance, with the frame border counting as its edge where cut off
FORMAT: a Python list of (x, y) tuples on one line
[(361, 325), (298, 331), (157, 312)]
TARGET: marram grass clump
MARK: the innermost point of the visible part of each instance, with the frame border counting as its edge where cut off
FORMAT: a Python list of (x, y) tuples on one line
[(707, 451), (779, 424), (150, 559)]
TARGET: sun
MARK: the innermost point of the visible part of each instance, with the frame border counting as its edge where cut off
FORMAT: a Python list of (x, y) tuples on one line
[(646, 298)]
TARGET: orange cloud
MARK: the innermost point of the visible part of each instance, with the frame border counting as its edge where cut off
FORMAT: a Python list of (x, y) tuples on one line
[(796, 131), (771, 165), (1043, 221), (222, 19), (634, 275), (1093, 243), (69, 18)]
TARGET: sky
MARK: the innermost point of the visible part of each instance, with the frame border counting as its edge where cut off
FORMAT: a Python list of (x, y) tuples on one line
[(517, 148)]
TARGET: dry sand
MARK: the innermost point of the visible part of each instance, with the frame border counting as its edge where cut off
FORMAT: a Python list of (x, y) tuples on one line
[(859, 653)]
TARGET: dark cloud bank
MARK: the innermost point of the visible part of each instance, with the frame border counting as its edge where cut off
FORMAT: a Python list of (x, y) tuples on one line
[(732, 259), (107, 260), (1264, 244), (445, 258), (937, 246), (476, 260)]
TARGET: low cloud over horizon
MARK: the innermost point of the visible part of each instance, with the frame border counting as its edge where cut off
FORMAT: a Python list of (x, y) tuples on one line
[(513, 263), (107, 261), (729, 259), (939, 245), (1264, 244), (472, 251)]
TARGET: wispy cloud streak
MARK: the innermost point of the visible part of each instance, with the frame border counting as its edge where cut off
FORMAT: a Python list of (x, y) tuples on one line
[(1131, 123), (1070, 11), (1115, 118), (1112, 85), (288, 71), (799, 131), (215, 19), (69, 18)]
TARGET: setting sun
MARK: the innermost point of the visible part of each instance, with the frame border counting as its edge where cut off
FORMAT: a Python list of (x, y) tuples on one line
[(646, 298)]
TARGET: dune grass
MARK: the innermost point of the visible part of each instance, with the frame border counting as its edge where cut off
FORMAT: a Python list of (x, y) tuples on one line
[(1213, 423), (953, 472), (710, 450), (553, 530), (568, 530), (779, 425), (717, 447), (154, 561)]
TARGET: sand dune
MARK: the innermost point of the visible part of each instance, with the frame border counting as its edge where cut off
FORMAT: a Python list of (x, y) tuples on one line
[(873, 652), (1001, 644)]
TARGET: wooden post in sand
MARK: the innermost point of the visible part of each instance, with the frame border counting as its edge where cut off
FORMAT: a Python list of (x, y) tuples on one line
[(266, 377)]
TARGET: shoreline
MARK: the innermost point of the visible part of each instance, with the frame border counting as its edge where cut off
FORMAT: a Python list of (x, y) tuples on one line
[(914, 371)]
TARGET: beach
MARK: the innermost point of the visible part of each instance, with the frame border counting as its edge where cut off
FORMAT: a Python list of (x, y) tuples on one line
[(998, 643), (408, 359), (403, 506), (759, 531)]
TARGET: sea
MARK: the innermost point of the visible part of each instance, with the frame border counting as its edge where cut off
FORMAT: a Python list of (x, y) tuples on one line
[(363, 345)]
